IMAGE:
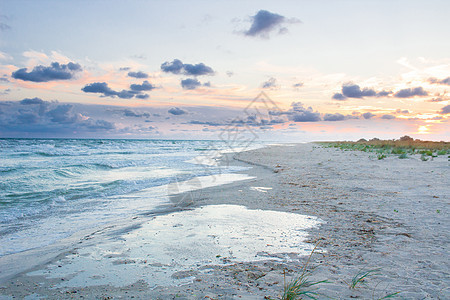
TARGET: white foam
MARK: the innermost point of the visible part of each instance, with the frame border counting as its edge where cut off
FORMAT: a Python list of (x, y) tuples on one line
[(205, 160), (283, 144), (212, 157), (205, 182), (260, 189)]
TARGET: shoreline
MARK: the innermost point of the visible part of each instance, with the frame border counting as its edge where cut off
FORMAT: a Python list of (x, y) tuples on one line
[(15, 264), (375, 216)]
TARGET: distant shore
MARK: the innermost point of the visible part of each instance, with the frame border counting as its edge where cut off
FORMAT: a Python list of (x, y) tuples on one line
[(386, 217)]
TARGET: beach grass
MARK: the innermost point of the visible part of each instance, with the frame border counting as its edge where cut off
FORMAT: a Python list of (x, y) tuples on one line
[(301, 286), (389, 296), (360, 277), (402, 147)]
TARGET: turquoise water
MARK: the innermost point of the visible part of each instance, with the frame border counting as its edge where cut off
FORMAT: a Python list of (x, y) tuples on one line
[(51, 188)]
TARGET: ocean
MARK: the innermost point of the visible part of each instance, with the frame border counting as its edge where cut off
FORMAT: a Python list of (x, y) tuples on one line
[(52, 188)]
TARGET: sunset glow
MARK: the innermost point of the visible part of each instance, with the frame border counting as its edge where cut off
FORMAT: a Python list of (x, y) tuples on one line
[(211, 61)]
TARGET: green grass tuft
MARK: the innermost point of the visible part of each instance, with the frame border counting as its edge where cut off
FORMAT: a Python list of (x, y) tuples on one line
[(389, 296), (403, 156), (442, 152), (302, 286), (361, 276), (424, 158), (381, 156)]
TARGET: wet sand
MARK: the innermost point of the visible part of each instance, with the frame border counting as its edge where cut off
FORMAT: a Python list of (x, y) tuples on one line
[(390, 215)]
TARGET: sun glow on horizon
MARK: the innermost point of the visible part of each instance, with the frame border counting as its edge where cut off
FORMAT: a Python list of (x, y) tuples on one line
[(423, 129)]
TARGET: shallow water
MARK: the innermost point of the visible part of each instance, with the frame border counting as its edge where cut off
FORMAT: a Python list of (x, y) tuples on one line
[(171, 249)]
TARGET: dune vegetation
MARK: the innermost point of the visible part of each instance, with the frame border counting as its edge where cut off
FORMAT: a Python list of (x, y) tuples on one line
[(403, 147)]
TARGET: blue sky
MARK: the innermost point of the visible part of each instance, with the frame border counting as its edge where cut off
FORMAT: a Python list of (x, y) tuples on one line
[(331, 69)]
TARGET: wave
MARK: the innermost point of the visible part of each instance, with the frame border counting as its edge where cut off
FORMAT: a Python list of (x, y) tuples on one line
[(94, 166), (65, 173), (7, 170), (74, 182), (58, 153)]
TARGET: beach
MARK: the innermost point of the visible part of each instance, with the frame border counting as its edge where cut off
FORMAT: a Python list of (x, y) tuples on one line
[(385, 217)]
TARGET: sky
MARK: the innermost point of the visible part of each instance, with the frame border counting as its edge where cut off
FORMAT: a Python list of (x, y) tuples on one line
[(291, 71)]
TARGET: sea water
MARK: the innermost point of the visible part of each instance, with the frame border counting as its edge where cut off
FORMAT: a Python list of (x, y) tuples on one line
[(52, 188)]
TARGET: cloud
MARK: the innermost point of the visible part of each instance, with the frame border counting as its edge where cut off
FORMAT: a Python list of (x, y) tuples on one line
[(27, 117), (5, 92), (39, 113), (103, 88), (334, 117), (383, 94), (138, 74), (99, 125), (256, 121), (34, 117), (4, 56), (177, 67), (445, 110), (43, 105), (265, 22), (352, 116), (208, 123), (177, 111), (139, 56), (400, 111), (145, 86), (297, 85), (99, 87), (190, 83), (31, 101), (198, 69), (298, 113), (63, 114), (440, 81), (368, 115), (125, 94), (55, 71), (131, 113), (270, 83), (411, 92), (249, 120), (388, 117), (4, 27), (354, 91), (301, 114), (142, 96), (306, 117), (437, 99), (339, 96)]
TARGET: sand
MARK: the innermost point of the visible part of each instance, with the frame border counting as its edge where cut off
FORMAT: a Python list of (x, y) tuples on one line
[(366, 214)]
